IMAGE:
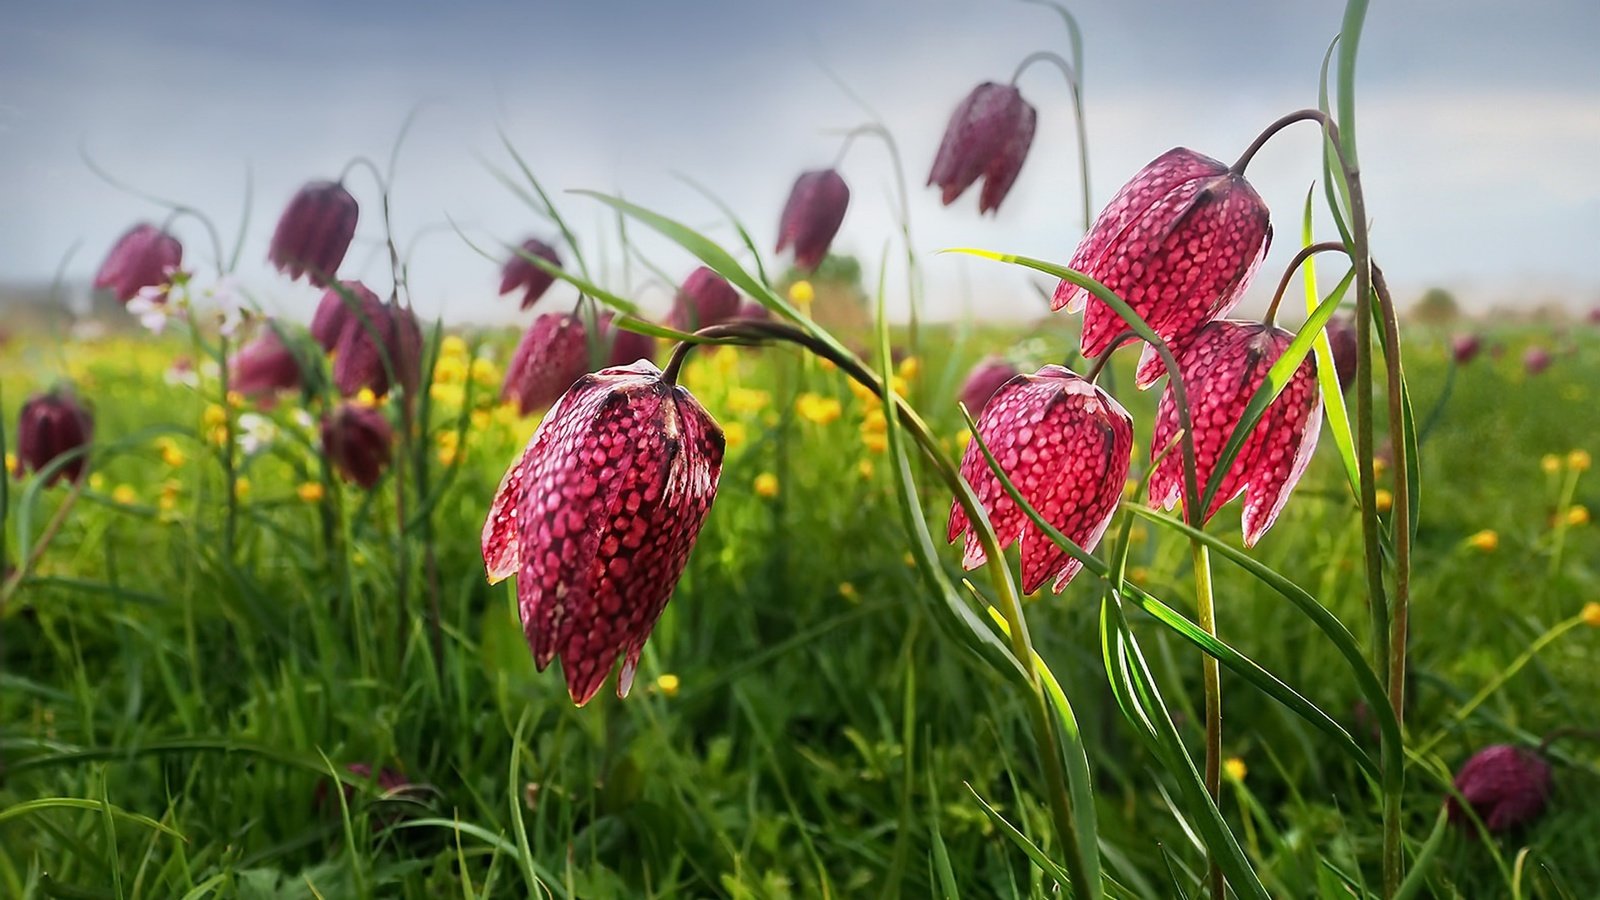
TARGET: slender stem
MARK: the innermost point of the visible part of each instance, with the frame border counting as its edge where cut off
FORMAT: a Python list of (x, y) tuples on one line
[(51, 529), (1294, 265), (229, 466), (1271, 131), (913, 279), (1075, 86), (1400, 615), (1211, 676)]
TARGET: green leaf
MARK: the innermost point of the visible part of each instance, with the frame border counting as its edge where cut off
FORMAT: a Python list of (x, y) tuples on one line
[(1039, 857), (28, 807), (1327, 373)]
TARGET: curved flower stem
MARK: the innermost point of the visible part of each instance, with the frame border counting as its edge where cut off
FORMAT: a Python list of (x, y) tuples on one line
[(1075, 86), (913, 282), (51, 529), (1294, 265)]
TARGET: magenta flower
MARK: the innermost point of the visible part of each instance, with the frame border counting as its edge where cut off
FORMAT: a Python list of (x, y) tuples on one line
[(520, 273), (144, 257), (358, 440), (750, 309), (1506, 786), (1536, 360), (598, 516), (50, 426), (334, 312), (1179, 243), (985, 378), (1222, 368), (705, 299), (1066, 445), (988, 136), (812, 216), (381, 345), (314, 232), (553, 353), (264, 366), (625, 346), (1465, 347), (1342, 340)]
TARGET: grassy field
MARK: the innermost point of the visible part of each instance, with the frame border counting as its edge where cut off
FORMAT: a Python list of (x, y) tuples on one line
[(172, 714)]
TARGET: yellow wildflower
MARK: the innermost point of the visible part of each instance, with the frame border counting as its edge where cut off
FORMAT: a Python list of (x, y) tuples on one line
[(365, 397), (241, 488), (482, 419), (1385, 500), (1234, 768), (169, 495), (235, 399), (124, 495), (726, 359), (485, 372), (1379, 466), (1579, 461), (802, 294), (310, 492), (450, 370), (747, 400), (1578, 515), (171, 453), (875, 441), (874, 422), (507, 414), (448, 393), (766, 484), (848, 591), (97, 481), (1550, 463), (214, 416), (863, 393), (452, 347), (1591, 615), (11, 462), (963, 438), (817, 409), (733, 434), (865, 468), (668, 685), (1486, 540), (909, 367)]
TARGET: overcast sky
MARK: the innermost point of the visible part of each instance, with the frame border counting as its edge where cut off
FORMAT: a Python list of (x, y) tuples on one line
[(1479, 125)]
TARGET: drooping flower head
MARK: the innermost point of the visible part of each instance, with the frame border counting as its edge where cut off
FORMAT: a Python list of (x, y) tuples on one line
[(1066, 445), (625, 346), (553, 353), (985, 378), (988, 136), (1222, 368), (264, 366), (359, 441), (314, 232), (1179, 243), (705, 299), (50, 426), (1464, 348), (334, 311), (384, 339), (144, 257), (1342, 341), (1536, 360), (597, 517), (812, 216), (1506, 786), (520, 273)]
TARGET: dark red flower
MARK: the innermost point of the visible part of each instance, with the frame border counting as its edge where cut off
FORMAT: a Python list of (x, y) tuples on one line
[(988, 135), (314, 232), (598, 516), (1342, 340), (625, 346), (381, 345), (1179, 243), (812, 216), (553, 353), (750, 309), (1066, 445), (705, 299), (358, 440), (1465, 347), (1506, 786), (985, 378), (519, 272), (52, 425), (145, 256), (264, 366), (1222, 368), (1536, 360), (335, 310)]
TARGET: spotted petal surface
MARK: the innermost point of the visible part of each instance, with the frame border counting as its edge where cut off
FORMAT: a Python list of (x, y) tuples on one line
[(553, 353), (1222, 369), (1066, 445), (598, 517), (1179, 243), (988, 135)]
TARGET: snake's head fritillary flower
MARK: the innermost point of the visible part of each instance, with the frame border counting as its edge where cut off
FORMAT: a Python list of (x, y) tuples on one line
[(1506, 786), (705, 299), (625, 346), (520, 273), (1066, 445), (384, 340), (1342, 340), (1465, 348), (144, 257), (985, 378), (1179, 243), (750, 309), (1222, 368), (264, 366), (597, 518), (1536, 360), (52, 425), (812, 216), (314, 232), (553, 353), (359, 441), (988, 136), (337, 308)]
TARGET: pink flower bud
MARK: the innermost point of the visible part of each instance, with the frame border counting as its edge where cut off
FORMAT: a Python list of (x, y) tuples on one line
[(1465, 347), (598, 516), (812, 216), (553, 353), (705, 299), (50, 426), (1505, 786), (985, 378), (520, 273), (143, 257), (988, 136), (1536, 360), (314, 232), (358, 441)]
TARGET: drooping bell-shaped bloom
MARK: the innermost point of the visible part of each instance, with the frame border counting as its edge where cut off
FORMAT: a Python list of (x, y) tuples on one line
[(1179, 243), (1536, 360), (369, 352), (264, 366), (335, 310), (985, 378), (625, 346), (144, 257), (52, 425), (1066, 445), (1222, 368), (553, 353), (1464, 348), (988, 136), (1506, 786), (812, 216), (359, 441), (705, 299), (750, 309), (1342, 340), (598, 516), (314, 232), (521, 273)]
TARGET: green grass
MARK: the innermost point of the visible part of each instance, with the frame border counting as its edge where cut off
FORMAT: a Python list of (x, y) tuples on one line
[(824, 731)]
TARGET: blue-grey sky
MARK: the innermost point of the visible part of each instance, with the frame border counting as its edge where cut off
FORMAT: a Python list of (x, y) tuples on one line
[(1479, 125)]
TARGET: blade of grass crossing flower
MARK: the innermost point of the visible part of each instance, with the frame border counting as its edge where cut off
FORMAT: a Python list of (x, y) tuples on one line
[(1277, 379), (550, 208), (1333, 183), (733, 219), (1327, 373)]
